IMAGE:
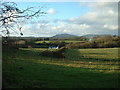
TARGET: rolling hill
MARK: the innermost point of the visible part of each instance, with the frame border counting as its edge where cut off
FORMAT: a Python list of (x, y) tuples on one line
[(64, 36), (90, 35)]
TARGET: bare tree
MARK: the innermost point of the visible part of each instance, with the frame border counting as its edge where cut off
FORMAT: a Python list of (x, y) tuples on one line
[(10, 15)]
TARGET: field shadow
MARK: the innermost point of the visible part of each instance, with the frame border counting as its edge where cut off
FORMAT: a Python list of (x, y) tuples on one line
[(74, 54), (37, 75), (46, 76), (96, 53), (71, 55)]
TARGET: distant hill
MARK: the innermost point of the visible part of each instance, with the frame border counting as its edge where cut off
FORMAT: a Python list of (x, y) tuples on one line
[(90, 35), (64, 36)]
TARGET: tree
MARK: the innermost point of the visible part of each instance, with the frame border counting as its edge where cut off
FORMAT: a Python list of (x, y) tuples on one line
[(10, 15)]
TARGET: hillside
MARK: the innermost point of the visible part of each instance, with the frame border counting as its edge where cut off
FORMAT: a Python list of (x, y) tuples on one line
[(64, 36), (90, 35)]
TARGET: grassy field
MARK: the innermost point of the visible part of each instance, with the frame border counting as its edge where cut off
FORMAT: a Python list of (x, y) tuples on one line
[(82, 68), (42, 42), (67, 41)]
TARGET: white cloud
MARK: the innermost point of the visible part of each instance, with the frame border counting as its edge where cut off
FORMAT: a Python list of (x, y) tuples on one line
[(111, 12), (66, 31), (62, 0), (101, 19), (84, 26), (51, 11), (112, 27), (100, 14)]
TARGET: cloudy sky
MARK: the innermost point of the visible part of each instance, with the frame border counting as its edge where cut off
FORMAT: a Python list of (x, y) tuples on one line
[(78, 18)]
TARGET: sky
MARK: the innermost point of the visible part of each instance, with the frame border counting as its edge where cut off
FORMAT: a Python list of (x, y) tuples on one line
[(77, 18)]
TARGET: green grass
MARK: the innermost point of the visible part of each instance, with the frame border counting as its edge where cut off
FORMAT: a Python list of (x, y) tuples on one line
[(71, 41), (82, 68), (42, 42), (104, 53), (67, 41), (110, 54)]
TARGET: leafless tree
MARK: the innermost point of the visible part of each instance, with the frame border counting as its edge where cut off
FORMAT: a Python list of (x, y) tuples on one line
[(10, 15)]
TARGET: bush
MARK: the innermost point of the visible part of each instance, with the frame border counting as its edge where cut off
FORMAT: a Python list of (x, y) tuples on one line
[(108, 44), (94, 44), (59, 53)]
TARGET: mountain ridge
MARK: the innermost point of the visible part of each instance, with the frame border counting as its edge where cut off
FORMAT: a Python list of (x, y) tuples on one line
[(64, 35)]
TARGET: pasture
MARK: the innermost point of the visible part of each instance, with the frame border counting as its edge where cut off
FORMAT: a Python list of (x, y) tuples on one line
[(82, 68), (66, 41)]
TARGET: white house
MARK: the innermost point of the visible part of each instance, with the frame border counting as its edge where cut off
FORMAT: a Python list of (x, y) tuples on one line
[(53, 47)]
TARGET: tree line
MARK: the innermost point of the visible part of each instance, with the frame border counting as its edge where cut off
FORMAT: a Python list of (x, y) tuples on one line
[(105, 41)]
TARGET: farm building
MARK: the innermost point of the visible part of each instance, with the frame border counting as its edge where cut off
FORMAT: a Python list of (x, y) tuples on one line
[(53, 47)]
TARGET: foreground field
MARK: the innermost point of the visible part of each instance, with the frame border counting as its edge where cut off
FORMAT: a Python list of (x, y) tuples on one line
[(82, 68)]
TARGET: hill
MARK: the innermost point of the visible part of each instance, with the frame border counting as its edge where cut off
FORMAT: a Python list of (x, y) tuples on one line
[(90, 35), (64, 36)]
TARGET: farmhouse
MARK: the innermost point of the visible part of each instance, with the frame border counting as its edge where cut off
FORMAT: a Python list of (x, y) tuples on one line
[(53, 47)]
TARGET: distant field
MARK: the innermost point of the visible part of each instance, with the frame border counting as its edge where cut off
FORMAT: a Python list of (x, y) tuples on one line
[(82, 68), (67, 41), (102, 53), (99, 53), (42, 42)]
